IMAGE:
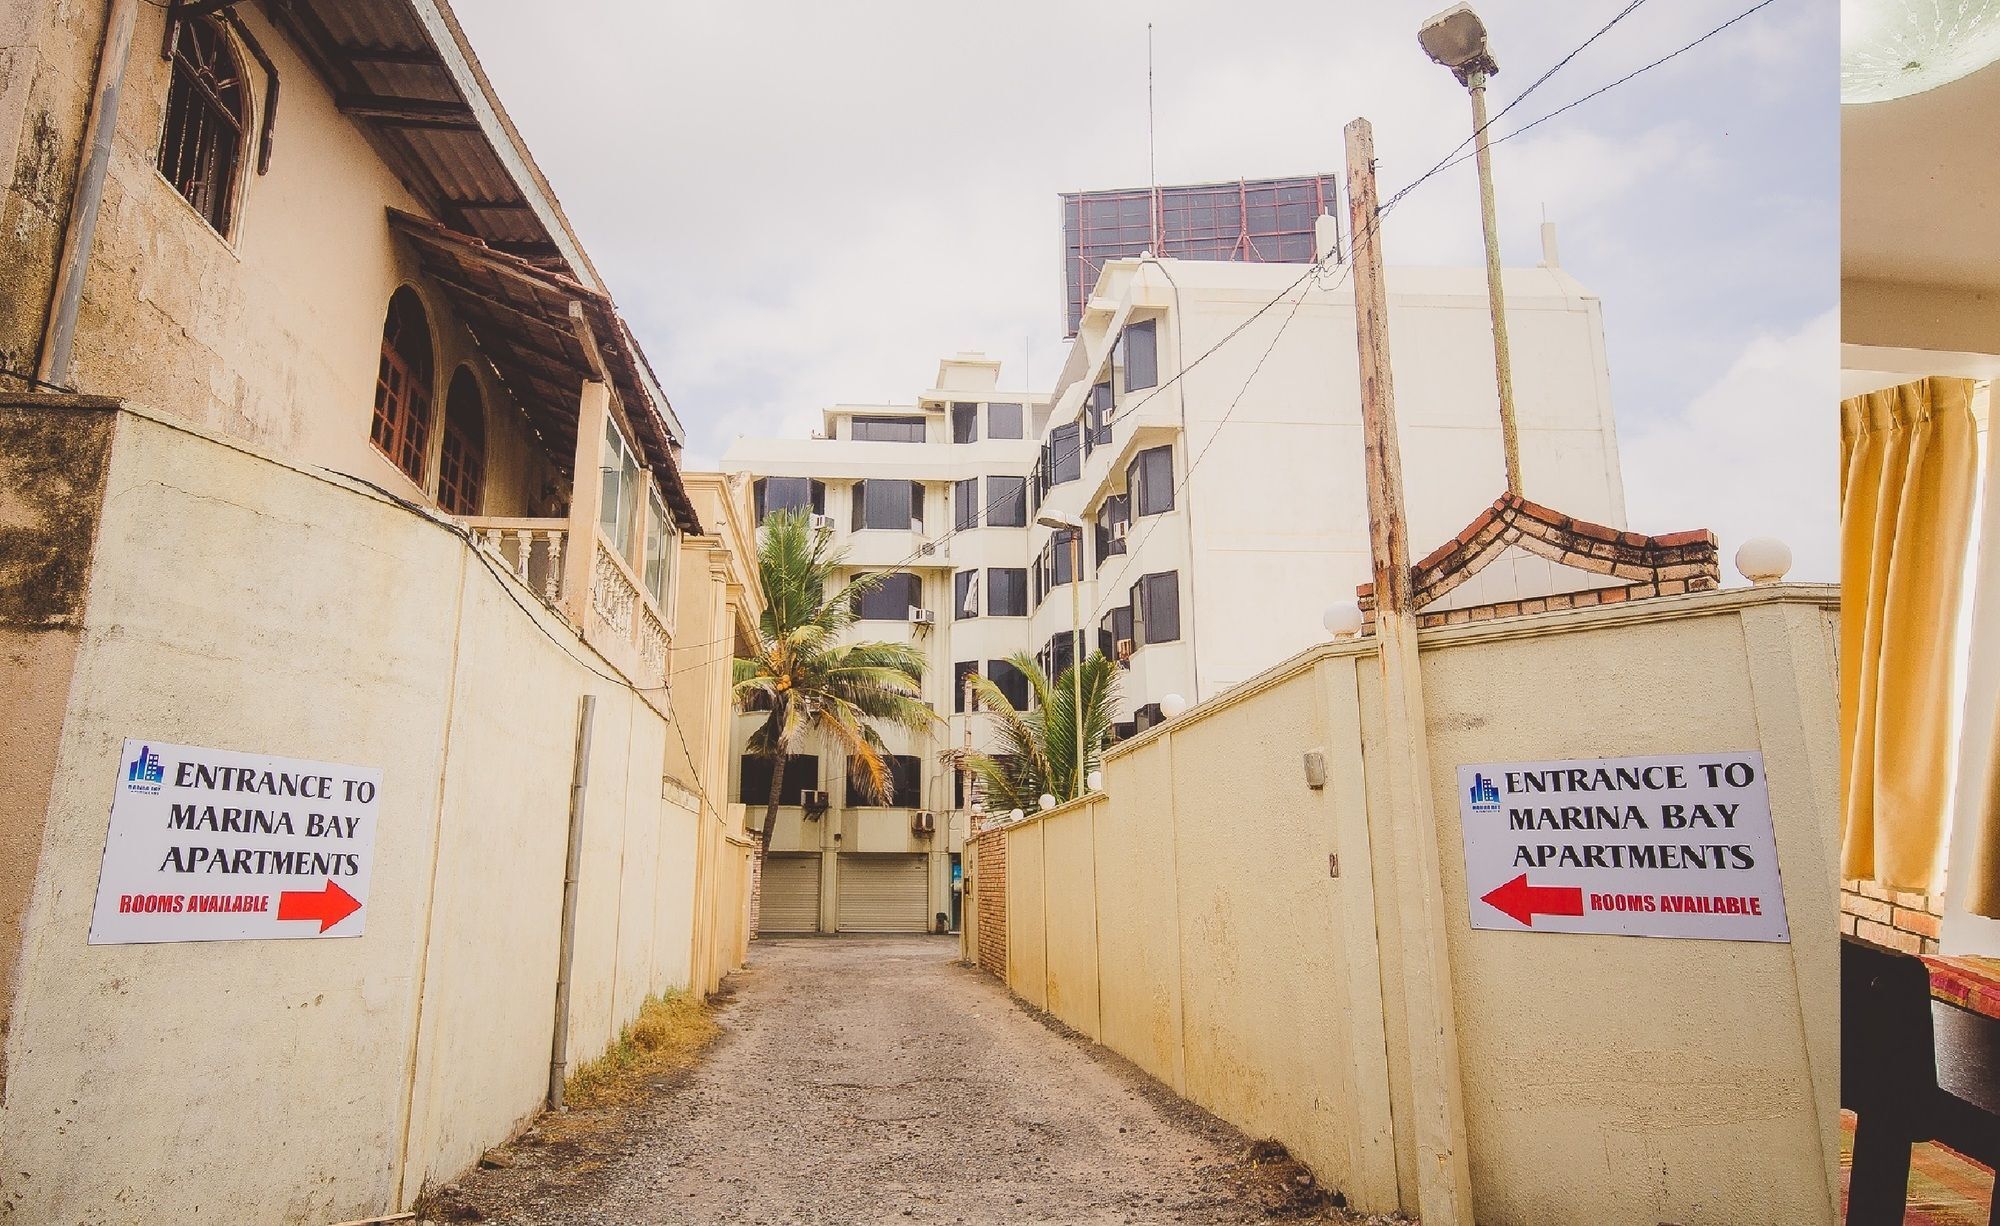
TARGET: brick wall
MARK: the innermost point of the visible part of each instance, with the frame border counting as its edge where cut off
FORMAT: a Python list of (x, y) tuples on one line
[(756, 881), (1908, 922), (991, 887)]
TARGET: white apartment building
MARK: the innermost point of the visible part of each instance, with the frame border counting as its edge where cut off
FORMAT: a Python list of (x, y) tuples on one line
[(1220, 488)]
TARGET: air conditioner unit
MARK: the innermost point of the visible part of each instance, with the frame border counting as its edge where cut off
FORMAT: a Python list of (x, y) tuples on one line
[(923, 617), (822, 523), (1124, 649), (815, 804), (1120, 530), (923, 821)]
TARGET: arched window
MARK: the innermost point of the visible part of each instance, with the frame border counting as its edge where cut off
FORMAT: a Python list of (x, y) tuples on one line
[(462, 465), (207, 111), (403, 386)]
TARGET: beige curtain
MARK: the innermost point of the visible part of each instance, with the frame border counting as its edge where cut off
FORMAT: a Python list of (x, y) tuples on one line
[(1910, 466)]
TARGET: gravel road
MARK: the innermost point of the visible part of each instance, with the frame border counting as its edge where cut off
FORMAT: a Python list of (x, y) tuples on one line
[(877, 1080)]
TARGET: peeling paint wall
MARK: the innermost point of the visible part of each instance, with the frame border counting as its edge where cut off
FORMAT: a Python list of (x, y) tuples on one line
[(236, 602), (1188, 919), (52, 468), (270, 333)]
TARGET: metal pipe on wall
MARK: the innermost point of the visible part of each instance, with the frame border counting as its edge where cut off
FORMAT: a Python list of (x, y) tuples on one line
[(94, 162), (579, 777)]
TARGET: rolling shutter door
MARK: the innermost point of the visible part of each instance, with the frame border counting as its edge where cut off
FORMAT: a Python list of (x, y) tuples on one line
[(884, 893), (790, 898)]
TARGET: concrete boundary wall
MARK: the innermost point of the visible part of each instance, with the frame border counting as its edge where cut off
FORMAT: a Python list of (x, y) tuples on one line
[(1191, 919), (238, 602)]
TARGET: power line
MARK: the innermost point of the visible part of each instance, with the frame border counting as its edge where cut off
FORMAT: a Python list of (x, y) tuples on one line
[(1605, 89)]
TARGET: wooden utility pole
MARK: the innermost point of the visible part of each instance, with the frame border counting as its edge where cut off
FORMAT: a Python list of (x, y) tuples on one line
[(1444, 1178)]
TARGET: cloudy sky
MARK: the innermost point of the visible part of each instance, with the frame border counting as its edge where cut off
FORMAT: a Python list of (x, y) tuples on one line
[(799, 204)]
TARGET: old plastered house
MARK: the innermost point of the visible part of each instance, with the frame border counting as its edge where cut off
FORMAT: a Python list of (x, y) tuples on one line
[(321, 438)]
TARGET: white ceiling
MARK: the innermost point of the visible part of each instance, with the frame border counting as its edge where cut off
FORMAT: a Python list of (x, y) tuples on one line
[(1920, 186)]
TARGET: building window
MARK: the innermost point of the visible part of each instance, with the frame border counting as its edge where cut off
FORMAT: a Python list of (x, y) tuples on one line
[(789, 494), (462, 463), (1059, 558), (801, 776), (661, 548), (619, 509), (1010, 681), (402, 428), (965, 594), (964, 423), (1003, 421), (1113, 518), (965, 503), (897, 505), (959, 672), (1142, 355), (887, 430), (890, 600), (1059, 654), (1007, 591), (201, 148), (1156, 608), (906, 784), (1063, 456), (1150, 478), (1114, 629), (1007, 502), (1148, 716), (1097, 417)]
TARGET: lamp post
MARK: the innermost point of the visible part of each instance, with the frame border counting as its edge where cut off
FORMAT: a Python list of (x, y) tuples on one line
[(1456, 38), (1074, 526)]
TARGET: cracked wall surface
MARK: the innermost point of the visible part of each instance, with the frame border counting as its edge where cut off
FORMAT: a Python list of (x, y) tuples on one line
[(269, 333)]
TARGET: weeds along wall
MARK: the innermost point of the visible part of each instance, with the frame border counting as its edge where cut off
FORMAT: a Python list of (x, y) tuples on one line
[(1189, 919), (239, 603)]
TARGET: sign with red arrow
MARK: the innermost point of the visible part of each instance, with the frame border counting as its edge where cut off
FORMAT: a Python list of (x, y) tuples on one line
[(1675, 845), (328, 906), (218, 845), (1524, 902)]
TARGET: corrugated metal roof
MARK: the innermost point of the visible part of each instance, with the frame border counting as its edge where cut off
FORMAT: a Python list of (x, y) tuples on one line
[(521, 316), (403, 71)]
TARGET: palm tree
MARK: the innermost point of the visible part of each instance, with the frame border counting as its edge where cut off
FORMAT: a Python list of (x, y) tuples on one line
[(808, 683), (1036, 751)]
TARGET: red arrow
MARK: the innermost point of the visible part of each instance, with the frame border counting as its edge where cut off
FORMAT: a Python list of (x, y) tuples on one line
[(1524, 902), (328, 906)]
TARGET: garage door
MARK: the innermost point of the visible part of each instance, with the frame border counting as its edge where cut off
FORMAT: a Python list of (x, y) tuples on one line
[(790, 896), (884, 893)]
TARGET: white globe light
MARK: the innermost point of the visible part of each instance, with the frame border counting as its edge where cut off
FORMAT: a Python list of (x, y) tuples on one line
[(1094, 781), (1343, 620), (1016, 816), (1763, 559), (1894, 48), (1048, 802), (1172, 705)]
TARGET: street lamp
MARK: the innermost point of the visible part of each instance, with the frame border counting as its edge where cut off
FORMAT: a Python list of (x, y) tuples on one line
[(1456, 38), (1060, 522)]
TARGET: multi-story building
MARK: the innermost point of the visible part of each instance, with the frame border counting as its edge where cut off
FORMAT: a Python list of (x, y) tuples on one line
[(1205, 435)]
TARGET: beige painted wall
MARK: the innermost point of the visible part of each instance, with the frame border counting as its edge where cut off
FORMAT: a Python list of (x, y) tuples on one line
[(239, 603), (1607, 1080), (269, 333)]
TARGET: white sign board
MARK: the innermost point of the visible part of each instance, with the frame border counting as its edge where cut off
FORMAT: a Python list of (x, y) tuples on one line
[(1673, 845), (213, 845)]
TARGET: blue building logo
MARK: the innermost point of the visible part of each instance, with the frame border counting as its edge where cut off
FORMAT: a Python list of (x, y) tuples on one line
[(145, 772), (1485, 797)]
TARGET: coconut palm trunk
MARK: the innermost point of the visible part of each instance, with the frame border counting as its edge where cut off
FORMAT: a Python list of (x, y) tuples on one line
[(811, 685)]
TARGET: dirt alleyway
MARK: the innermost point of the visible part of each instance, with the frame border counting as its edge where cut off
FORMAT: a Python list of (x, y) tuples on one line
[(876, 1080)]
